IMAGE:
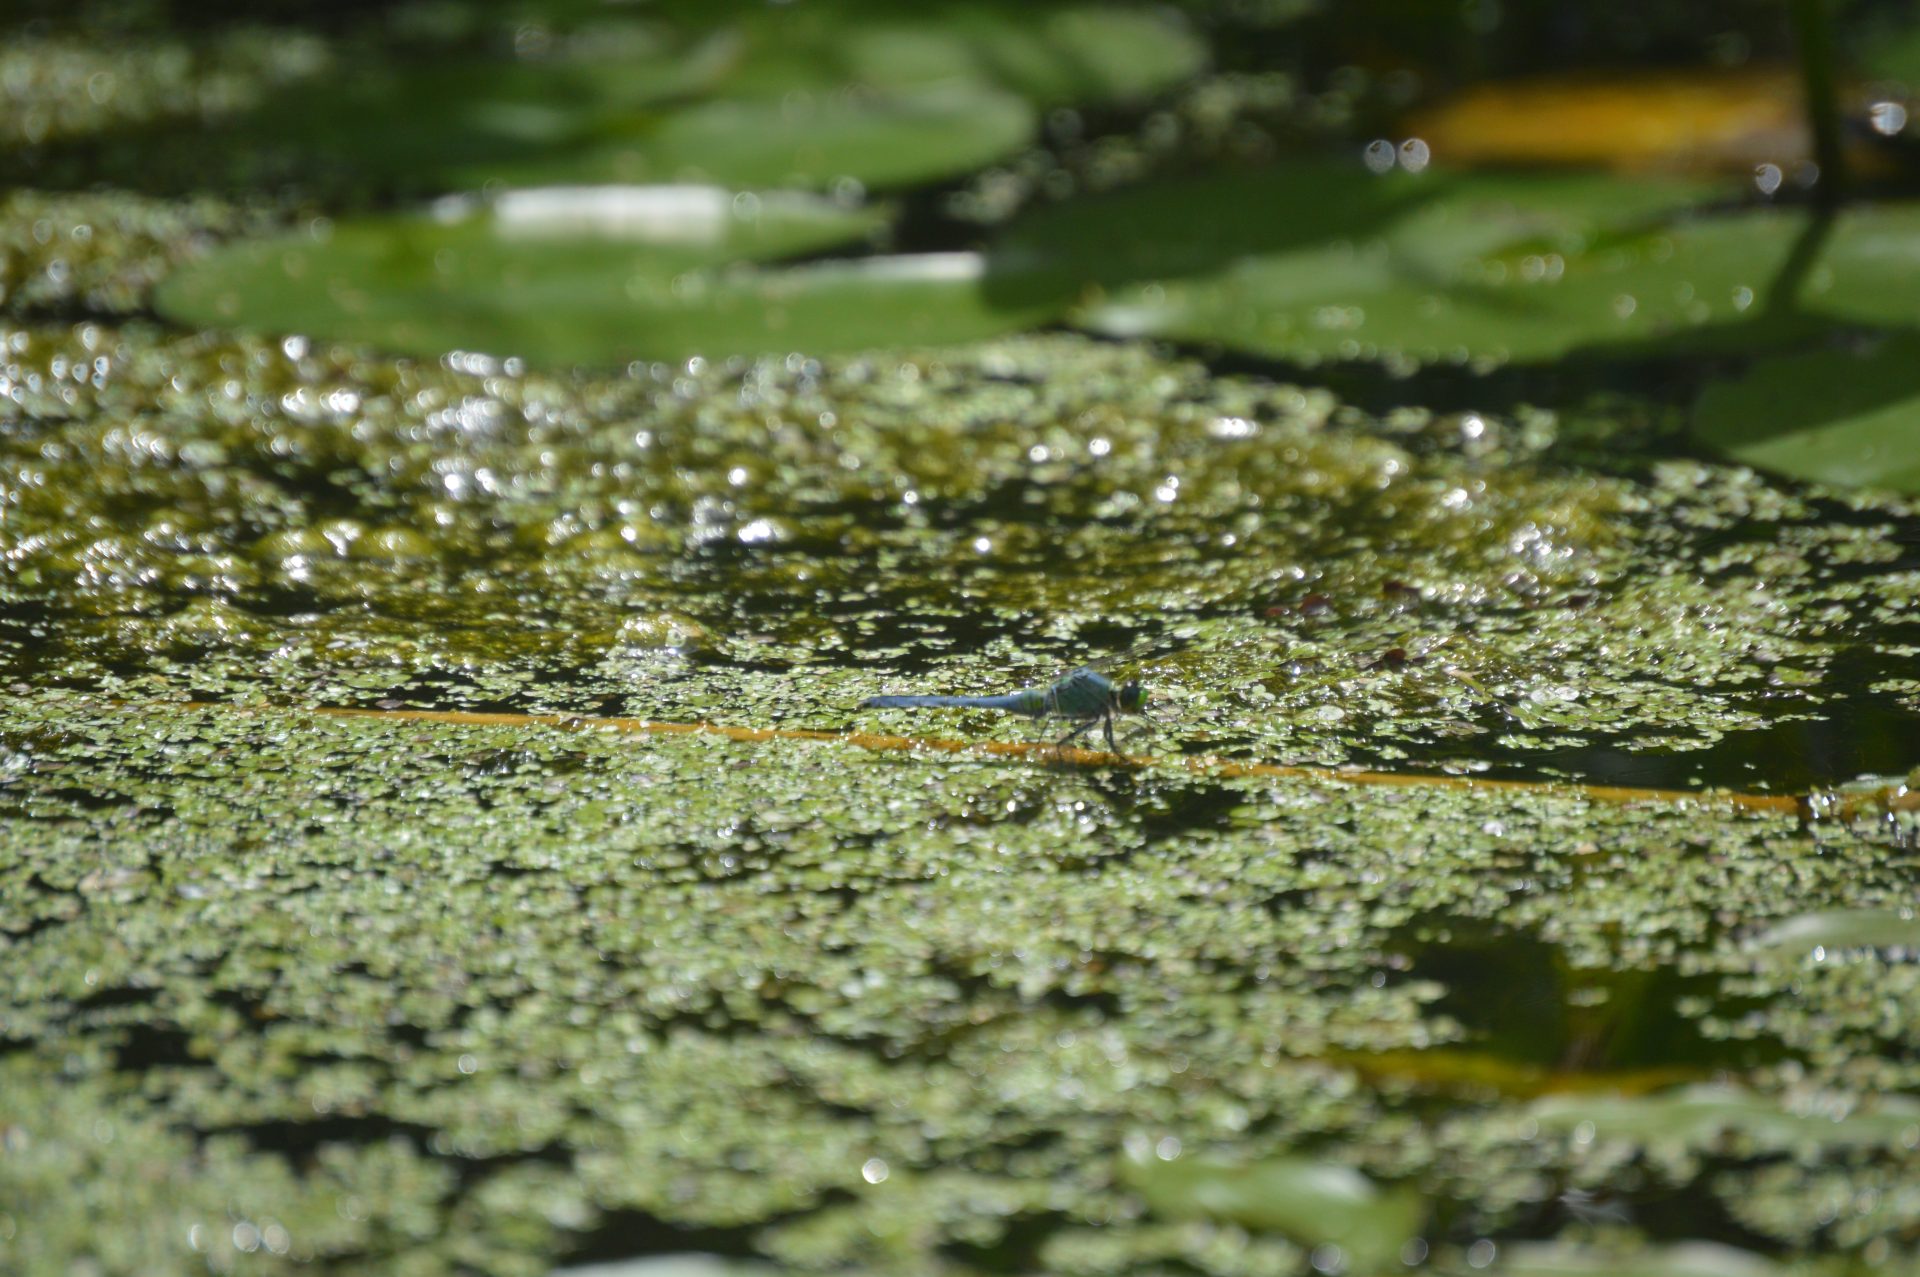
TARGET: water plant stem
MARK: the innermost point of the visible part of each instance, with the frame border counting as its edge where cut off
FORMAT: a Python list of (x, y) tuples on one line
[(1814, 32), (1817, 805)]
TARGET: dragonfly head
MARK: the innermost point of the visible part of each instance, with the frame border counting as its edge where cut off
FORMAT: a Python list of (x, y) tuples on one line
[(1132, 697)]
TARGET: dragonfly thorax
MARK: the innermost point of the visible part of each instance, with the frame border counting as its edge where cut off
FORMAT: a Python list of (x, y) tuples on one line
[(1087, 693)]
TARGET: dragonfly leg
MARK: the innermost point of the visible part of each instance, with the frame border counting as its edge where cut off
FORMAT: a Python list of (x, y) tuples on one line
[(1075, 734), (1106, 722)]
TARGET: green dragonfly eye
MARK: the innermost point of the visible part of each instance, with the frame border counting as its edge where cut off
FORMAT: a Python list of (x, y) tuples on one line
[(1133, 697)]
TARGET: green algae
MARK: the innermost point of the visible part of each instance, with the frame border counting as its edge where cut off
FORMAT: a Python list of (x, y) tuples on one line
[(310, 522), (65, 85), (288, 992), (103, 253), (394, 993), (444, 999)]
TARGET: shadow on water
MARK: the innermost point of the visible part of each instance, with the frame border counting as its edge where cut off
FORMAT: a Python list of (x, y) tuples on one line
[(1522, 1003)]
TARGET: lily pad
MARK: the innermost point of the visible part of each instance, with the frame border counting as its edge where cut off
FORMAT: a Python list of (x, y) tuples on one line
[(1838, 416), (537, 266), (1050, 55), (604, 276), (879, 139), (752, 96), (1194, 226), (1497, 268), (1311, 1202), (1509, 268), (476, 122), (838, 306), (430, 126)]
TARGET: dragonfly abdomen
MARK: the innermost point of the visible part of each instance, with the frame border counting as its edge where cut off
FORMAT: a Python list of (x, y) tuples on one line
[(1032, 701)]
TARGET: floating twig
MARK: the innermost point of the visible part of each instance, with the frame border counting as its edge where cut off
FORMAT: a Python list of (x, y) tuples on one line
[(1839, 805)]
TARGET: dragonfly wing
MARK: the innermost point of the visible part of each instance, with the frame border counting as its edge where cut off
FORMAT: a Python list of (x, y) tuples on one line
[(1085, 693), (1013, 702), (1145, 650)]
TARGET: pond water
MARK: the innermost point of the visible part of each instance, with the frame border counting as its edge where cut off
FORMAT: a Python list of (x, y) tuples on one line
[(398, 993)]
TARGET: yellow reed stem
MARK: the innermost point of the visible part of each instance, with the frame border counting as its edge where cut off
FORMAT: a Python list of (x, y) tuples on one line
[(1821, 804)]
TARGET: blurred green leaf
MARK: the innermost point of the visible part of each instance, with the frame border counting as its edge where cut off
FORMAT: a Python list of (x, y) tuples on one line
[(1193, 226), (1845, 929), (604, 276), (1498, 268), (1311, 1202), (475, 122), (1313, 261), (748, 95), (1707, 1114), (1838, 416), (1051, 55), (435, 125), (877, 139)]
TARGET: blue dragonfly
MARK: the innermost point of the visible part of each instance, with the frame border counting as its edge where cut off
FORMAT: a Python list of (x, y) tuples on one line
[(1086, 696)]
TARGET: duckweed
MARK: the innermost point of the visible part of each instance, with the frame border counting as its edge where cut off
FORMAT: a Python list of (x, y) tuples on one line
[(451, 997), (287, 991), (1347, 589)]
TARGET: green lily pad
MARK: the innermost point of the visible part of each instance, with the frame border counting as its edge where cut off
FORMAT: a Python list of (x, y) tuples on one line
[(478, 274), (1845, 929), (1837, 416), (754, 96), (837, 307), (879, 139), (1476, 268), (1705, 1114), (604, 276), (1313, 1203), (1462, 267), (477, 121), (489, 116), (1196, 226), (1049, 55)]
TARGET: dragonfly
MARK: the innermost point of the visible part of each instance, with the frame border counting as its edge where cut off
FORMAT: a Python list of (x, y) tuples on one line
[(1086, 696)]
